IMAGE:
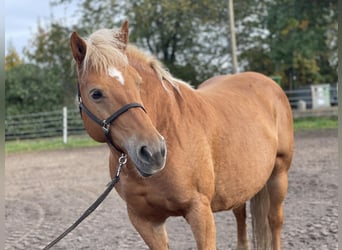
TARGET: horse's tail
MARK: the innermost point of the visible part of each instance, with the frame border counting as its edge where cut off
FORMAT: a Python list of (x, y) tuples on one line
[(259, 206)]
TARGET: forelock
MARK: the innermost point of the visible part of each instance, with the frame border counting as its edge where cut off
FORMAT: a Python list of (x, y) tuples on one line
[(103, 51)]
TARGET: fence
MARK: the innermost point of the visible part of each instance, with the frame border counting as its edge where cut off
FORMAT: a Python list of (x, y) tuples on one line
[(295, 96), (68, 121), (323, 92), (45, 124)]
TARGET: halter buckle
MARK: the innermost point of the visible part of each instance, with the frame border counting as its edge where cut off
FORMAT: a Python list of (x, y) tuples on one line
[(123, 159), (105, 127)]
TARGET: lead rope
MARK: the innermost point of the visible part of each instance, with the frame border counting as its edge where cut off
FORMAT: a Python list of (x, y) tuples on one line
[(122, 161)]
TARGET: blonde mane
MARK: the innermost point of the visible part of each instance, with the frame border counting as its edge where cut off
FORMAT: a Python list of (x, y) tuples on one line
[(103, 51)]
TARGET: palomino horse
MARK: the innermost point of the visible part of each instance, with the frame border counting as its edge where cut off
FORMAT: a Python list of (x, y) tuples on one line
[(191, 152)]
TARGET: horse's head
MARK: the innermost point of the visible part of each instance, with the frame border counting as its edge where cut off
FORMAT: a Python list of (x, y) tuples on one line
[(106, 83)]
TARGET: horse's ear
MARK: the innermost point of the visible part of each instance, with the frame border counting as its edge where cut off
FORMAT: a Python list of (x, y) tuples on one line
[(123, 37), (78, 47)]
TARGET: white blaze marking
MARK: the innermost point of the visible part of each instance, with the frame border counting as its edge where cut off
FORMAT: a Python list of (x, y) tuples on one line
[(113, 72)]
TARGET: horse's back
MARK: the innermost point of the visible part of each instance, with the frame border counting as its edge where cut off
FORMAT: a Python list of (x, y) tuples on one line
[(247, 83), (254, 124), (246, 91)]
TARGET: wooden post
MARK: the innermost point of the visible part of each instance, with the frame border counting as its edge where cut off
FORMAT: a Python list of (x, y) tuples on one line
[(232, 35), (65, 125)]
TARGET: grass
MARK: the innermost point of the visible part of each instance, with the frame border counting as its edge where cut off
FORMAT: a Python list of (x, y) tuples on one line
[(49, 144), (315, 123), (86, 141)]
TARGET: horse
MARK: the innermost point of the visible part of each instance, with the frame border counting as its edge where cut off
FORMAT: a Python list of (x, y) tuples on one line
[(191, 152)]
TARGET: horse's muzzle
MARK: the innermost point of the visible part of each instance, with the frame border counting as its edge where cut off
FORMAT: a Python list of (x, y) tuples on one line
[(149, 158)]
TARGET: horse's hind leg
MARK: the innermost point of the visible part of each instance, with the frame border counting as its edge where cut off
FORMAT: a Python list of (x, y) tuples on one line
[(240, 216), (153, 232), (277, 188)]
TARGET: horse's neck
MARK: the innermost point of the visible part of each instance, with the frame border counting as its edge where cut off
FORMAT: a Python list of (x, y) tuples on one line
[(162, 101), (165, 104)]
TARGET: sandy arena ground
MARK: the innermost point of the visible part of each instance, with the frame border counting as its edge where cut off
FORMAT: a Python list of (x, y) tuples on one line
[(47, 191)]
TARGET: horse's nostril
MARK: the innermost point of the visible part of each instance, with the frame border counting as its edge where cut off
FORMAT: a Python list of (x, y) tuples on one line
[(146, 154), (153, 155), (163, 151)]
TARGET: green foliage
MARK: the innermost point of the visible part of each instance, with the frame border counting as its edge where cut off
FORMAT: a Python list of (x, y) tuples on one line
[(49, 144), (50, 49), (28, 89), (184, 34), (315, 123), (259, 60), (12, 59), (307, 70), (292, 39), (298, 40)]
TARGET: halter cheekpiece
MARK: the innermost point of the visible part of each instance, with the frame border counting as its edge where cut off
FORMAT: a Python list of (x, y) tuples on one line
[(105, 124)]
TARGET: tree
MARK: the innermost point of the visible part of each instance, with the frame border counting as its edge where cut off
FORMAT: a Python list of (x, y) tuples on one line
[(183, 34), (27, 91), (94, 15), (50, 50), (296, 42), (12, 59), (293, 39)]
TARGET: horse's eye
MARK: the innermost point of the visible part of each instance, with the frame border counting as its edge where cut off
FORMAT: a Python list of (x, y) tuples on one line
[(96, 94)]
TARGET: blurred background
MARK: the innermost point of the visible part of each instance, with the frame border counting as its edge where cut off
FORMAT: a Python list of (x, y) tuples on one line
[(294, 42)]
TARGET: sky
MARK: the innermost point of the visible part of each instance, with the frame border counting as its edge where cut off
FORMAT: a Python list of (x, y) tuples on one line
[(22, 16)]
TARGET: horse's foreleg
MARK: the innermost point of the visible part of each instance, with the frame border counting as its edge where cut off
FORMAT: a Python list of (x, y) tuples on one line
[(201, 220), (240, 216), (153, 232)]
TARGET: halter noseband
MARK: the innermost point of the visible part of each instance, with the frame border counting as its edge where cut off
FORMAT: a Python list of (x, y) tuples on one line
[(105, 124)]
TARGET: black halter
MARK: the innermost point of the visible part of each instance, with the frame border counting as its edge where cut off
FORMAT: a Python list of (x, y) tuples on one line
[(105, 124)]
